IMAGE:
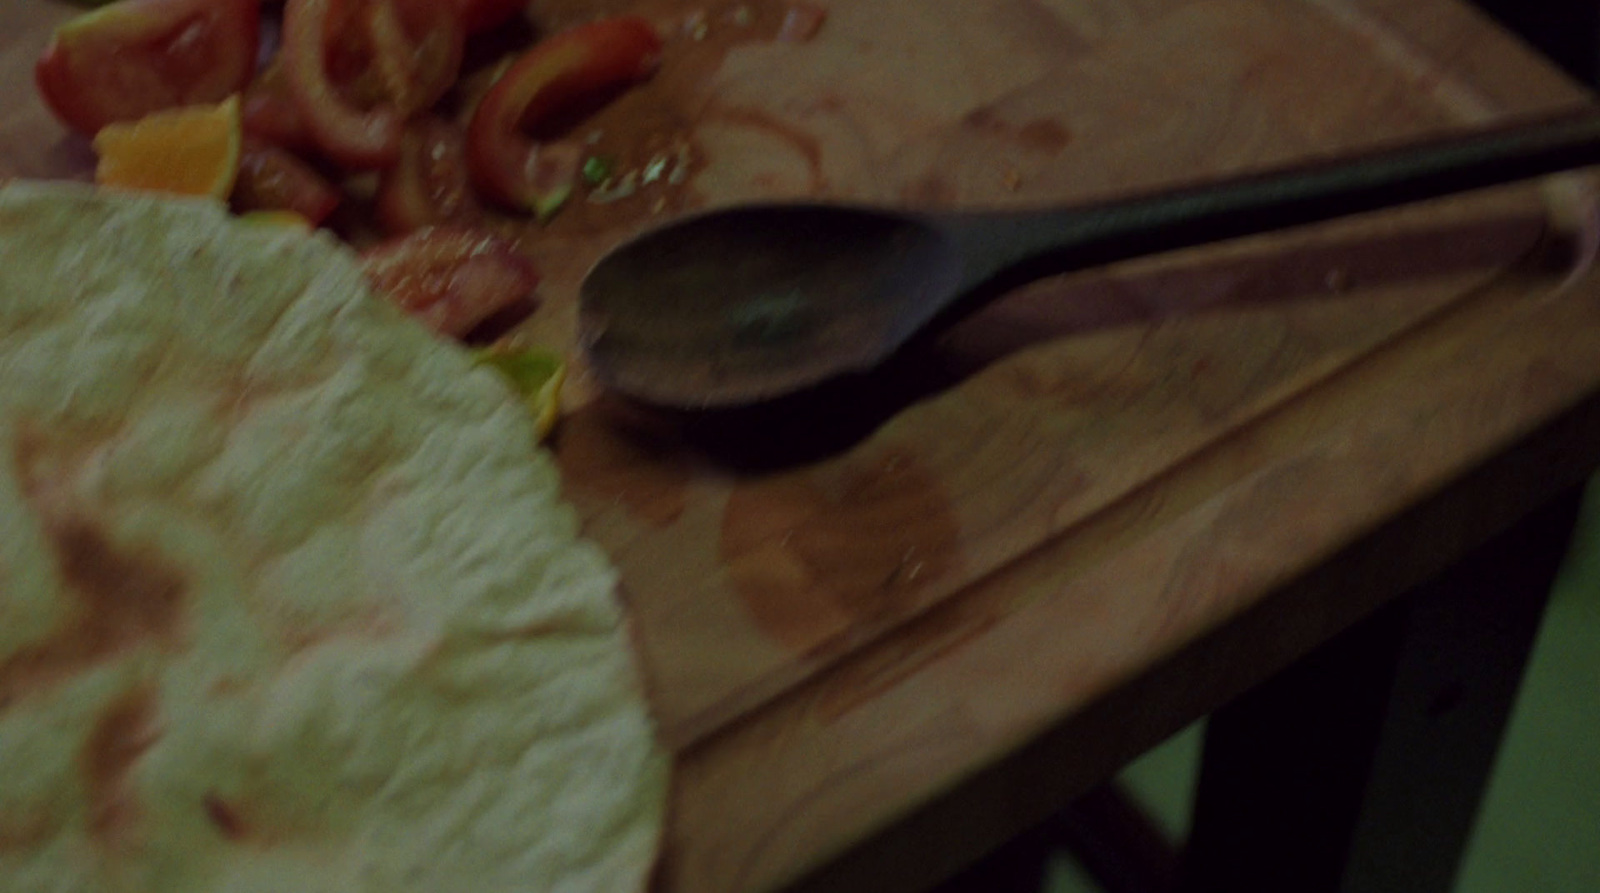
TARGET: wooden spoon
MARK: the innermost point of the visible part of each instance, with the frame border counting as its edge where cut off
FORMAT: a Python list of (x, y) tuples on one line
[(754, 302)]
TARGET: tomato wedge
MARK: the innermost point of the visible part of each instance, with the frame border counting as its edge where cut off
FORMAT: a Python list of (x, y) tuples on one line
[(123, 61), (452, 279), (579, 63), (273, 179), (428, 184), (358, 68)]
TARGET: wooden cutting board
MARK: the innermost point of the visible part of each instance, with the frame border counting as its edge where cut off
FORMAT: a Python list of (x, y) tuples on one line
[(750, 559), (748, 569), (757, 551)]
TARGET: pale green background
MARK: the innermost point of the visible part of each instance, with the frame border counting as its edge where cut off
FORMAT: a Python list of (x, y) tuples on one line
[(1539, 831)]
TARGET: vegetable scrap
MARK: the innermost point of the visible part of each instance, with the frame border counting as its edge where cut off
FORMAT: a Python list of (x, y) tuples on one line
[(373, 118), (192, 150)]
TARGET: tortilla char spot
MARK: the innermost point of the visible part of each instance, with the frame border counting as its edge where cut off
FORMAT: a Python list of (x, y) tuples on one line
[(222, 814), (19, 834), (127, 597), (121, 735), (366, 623), (122, 598)]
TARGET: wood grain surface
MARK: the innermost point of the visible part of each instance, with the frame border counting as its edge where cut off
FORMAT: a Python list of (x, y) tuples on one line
[(889, 625)]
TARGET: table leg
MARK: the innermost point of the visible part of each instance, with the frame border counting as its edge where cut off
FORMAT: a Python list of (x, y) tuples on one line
[(1360, 769), (1566, 31), (1114, 842)]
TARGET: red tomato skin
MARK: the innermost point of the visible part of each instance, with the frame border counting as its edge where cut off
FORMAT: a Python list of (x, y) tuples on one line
[(581, 61), (428, 184), (450, 278), (481, 15), (129, 59), (273, 179), (415, 49), (357, 69), (54, 79)]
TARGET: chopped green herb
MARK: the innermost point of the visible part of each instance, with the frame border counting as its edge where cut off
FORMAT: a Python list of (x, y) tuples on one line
[(597, 170)]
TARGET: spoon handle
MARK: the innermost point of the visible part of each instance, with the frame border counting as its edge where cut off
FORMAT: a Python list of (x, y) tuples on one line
[(1003, 250)]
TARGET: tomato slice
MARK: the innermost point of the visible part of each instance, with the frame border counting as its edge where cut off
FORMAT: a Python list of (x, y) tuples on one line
[(358, 68), (428, 184), (481, 15), (273, 179), (414, 49), (452, 279), (579, 63), (123, 61), (353, 136)]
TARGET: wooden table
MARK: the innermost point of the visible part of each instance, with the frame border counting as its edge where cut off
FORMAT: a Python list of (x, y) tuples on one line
[(891, 626)]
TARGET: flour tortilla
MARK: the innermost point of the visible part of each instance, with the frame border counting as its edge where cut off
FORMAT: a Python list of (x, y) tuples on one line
[(288, 598)]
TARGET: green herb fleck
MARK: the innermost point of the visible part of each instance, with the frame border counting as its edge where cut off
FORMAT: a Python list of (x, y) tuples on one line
[(597, 170)]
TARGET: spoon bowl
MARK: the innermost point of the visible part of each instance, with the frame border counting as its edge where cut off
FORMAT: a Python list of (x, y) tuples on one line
[(755, 302)]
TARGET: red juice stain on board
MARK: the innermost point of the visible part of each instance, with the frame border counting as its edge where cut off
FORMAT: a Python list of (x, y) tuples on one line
[(1044, 135), (611, 455), (645, 136), (817, 554)]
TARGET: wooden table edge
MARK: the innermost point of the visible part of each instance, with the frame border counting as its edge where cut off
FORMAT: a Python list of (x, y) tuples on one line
[(993, 802)]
